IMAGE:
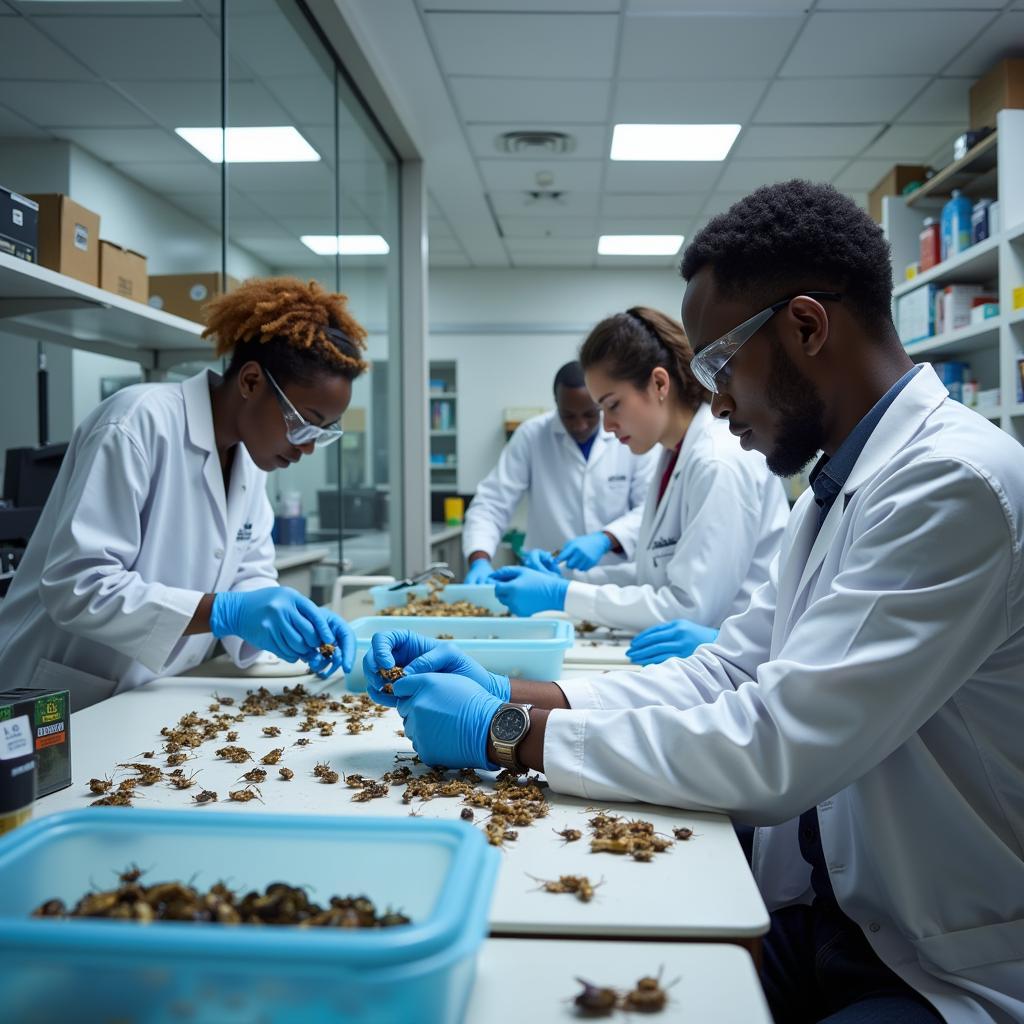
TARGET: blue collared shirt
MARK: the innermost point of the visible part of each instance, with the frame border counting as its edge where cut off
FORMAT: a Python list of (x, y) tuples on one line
[(828, 478), (585, 446)]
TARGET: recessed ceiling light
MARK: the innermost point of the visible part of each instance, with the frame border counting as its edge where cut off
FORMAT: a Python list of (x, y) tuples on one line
[(673, 141), (346, 245), (639, 245), (251, 145)]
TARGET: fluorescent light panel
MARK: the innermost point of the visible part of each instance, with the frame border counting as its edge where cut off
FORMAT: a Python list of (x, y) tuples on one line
[(639, 245), (273, 145), (346, 245), (673, 141)]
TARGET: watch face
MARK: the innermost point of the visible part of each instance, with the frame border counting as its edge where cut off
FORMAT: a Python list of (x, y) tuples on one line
[(508, 725)]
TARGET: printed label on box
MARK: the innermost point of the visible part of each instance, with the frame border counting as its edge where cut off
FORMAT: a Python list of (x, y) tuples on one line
[(18, 217), (81, 237), (15, 738), (49, 709), (49, 735)]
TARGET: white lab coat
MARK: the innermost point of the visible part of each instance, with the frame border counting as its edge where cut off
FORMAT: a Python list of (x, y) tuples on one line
[(704, 549), (135, 531), (568, 495), (879, 674)]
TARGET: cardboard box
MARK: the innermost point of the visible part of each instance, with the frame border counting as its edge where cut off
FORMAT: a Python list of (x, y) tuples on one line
[(69, 238), (915, 314), (49, 713), (1002, 87), (893, 184), (123, 272), (19, 225), (186, 294)]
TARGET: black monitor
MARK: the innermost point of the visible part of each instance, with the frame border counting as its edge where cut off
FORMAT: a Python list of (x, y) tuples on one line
[(30, 473)]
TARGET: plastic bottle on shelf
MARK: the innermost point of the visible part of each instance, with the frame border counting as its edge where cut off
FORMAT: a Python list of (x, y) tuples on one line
[(956, 225)]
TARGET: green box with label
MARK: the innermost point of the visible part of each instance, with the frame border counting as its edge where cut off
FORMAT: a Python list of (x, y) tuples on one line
[(49, 711)]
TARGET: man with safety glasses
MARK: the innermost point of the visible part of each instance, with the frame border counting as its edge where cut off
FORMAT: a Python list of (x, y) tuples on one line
[(156, 536), (866, 710)]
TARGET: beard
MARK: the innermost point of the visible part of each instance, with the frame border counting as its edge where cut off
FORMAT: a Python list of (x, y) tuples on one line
[(801, 416)]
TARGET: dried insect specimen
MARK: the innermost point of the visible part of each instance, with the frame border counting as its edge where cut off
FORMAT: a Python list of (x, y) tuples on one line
[(226, 701), (647, 997), (117, 799), (100, 786), (569, 835), (303, 741), (243, 796), (595, 1001), (400, 732), (578, 885), (271, 730), (466, 814), (286, 773), (683, 834), (175, 759), (635, 838), (236, 755), (327, 729), (356, 727), (183, 781), (205, 796), (327, 650), (390, 675), (326, 774), (146, 774), (256, 775), (371, 791), (273, 757), (232, 736)]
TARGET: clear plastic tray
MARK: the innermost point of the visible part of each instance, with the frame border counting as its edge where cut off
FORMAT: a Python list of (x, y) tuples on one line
[(440, 873), (481, 594), (522, 648)]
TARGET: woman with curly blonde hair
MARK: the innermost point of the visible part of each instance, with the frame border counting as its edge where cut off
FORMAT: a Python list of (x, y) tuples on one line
[(155, 539)]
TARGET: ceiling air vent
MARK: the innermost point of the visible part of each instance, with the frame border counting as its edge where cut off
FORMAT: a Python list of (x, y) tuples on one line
[(540, 142)]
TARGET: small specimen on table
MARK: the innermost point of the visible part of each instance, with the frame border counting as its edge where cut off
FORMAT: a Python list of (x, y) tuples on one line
[(636, 838), (271, 730), (595, 1001), (236, 755), (286, 773), (232, 736), (400, 732), (117, 799), (206, 796), (683, 833), (146, 774), (243, 796), (578, 885), (100, 786), (256, 775), (390, 675), (371, 791), (226, 701), (466, 814), (569, 835), (273, 757), (183, 781), (302, 741), (326, 774), (177, 758), (647, 996)]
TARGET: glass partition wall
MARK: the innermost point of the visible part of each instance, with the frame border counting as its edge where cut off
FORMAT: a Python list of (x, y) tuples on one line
[(122, 106)]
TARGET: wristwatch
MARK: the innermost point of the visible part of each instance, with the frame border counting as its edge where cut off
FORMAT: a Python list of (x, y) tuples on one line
[(509, 726)]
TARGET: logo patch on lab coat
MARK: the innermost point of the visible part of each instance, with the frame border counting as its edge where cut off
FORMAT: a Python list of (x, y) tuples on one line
[(618, 478), (245, 533), (664, 542)]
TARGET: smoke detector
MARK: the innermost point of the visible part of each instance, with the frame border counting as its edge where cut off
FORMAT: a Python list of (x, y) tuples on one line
[(535, 142)]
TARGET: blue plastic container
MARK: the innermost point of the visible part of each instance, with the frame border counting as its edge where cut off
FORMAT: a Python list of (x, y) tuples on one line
[(521, 648), (956, 225), (481, 594), (440, 873)]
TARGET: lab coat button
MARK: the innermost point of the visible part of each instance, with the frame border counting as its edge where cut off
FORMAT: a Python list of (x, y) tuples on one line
[(219, 553), (874, 926)]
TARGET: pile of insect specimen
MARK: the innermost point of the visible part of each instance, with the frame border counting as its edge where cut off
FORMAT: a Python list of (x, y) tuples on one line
[(389, 675), (646, 996), (610, 833), (176, 901), (578, 885), (433, 606)]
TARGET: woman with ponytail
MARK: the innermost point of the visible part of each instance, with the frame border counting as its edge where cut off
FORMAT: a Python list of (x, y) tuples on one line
[(714, 514), (155, 539)]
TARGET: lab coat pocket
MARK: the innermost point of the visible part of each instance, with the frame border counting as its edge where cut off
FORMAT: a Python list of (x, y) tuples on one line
[(85, 688), (974, 947)]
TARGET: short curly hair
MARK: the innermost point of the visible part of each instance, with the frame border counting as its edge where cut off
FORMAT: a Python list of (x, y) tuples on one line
[(294, 330), (795, 236)]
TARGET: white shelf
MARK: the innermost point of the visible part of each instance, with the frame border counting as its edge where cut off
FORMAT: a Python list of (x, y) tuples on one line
[(439, 466), (443, 394), (1016, 233), (965, 339), (976, 265), (1017, 409), (41, 304), (1015, 317), (442, 433)]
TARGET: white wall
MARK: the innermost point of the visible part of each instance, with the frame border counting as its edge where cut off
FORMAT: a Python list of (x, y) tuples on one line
[(510, 330)]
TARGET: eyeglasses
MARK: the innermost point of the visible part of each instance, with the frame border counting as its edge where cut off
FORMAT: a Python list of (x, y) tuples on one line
[(298, 429), (710, 361)]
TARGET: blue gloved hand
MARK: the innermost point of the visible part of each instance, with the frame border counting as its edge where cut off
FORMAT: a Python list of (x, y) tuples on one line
[(344, 642), (417, 654), (585, 552), (678, 639), (447, 718), (275, 619), (525, 591), (542, 561), (479, 571)]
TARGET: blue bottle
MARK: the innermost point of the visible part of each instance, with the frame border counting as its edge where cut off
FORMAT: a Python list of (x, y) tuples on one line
[(956, 225)]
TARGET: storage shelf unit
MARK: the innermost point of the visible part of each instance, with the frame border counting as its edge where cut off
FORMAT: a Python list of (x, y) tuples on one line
[(444, 426), (994, 346), (41, 304)]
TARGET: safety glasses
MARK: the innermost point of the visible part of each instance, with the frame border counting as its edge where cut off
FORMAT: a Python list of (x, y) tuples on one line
[(298, 429), (710, 361)]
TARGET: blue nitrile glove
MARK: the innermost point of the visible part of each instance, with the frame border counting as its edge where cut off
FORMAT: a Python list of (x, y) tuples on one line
[(525, 591), (416, 654), (677, 639), (447, 718), (479, 571), (542, 561), (275, 619), (585, 552), (344, 648)]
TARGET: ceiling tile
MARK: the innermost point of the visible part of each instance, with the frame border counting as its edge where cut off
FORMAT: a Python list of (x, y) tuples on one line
[(1003, 38), (719, 202), (174, 48), (572, 175), (533, 102), (944, 101), (29, 54), (181, 178), (540, 6), (269, 46), (729, 101), (709, 6), (73, 105), (438, 227), (549, 227), (880, 43), (928, 5), (638, 176), (525, 45), (696, 47), (445, 245), (14, 127), (308, 99), (914, 142), (570, 204), (447, 259), (666, 225), (118, 145), (584, 247), (751, 174), (197, 104), (837, 100), (804, 140), (619, 204), (591, 141)]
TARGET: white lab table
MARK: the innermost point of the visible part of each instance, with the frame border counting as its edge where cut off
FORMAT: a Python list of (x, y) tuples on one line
[(534, 980), (700, 889)]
